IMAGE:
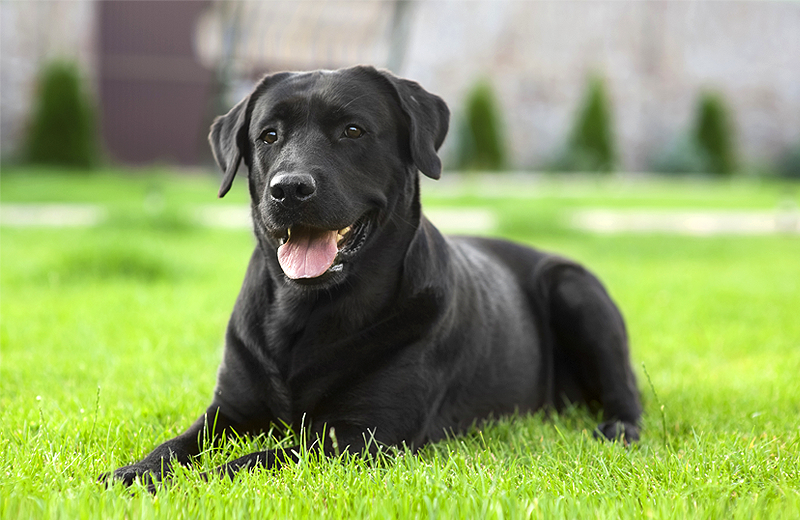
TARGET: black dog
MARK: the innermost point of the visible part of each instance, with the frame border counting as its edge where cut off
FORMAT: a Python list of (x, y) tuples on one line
[(357, 318)]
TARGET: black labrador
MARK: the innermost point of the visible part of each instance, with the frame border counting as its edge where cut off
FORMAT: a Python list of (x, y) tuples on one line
[(357, 318)]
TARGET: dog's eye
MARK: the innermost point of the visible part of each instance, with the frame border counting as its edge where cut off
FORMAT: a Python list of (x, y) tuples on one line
[(269, 136), (353, 132)]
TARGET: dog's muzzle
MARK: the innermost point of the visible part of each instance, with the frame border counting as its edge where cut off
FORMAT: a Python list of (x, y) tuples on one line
[(309, 252)]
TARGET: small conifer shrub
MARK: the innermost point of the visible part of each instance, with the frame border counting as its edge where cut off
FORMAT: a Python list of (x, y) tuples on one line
[(713, 133), (481, 143), (591, 143), (62, 129), (789, 163)]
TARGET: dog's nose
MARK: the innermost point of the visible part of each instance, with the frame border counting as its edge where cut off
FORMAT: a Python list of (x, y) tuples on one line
[(292, 188)]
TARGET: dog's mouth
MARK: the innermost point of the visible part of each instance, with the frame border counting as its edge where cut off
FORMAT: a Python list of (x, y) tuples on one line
[(309, 252)]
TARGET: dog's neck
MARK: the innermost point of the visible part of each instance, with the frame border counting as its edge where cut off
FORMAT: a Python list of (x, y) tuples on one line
[(371, 288)]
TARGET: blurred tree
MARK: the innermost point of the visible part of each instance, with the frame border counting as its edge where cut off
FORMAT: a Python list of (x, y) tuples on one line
[(480, 140), (789, 163), (713, 133), (707, 147), (62, 130), (591, 143)]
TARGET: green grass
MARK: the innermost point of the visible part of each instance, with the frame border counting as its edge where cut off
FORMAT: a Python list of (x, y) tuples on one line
[(110, 338)]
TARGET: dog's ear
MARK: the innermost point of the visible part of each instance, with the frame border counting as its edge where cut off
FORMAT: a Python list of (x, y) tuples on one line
[(226, 137), (429, 119)]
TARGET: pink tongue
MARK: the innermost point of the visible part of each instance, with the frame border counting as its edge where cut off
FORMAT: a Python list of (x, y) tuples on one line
[(308, 253)]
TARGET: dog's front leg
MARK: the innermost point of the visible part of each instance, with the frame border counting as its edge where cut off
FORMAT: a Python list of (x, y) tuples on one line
[(327, 442), (156, 465), (267, 459)]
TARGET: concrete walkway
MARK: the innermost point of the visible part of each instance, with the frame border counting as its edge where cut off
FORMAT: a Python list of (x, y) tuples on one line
[(462, 220)]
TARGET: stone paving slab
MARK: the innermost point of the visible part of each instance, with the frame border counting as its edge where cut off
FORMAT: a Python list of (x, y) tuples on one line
[(687, 222), (51, 215)]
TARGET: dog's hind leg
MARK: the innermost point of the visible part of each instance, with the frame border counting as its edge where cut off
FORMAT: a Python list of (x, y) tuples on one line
[(589, 347)]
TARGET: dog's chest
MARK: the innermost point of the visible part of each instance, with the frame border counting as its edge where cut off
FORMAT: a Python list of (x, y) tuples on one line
[(321, 359)]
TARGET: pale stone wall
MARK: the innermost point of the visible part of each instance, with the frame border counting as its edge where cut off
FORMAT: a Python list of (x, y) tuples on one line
[(655, 56)]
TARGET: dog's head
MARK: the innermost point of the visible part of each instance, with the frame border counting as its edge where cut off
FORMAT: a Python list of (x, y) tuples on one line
[(331, 155)]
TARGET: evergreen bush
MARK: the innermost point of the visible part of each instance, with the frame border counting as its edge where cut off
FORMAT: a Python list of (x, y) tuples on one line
[(713, 133), (789, 164), (591, 143), (708, 147), (62, 130), (480, 140)]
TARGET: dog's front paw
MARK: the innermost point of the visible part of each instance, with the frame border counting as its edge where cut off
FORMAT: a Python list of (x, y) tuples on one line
[(615, 430), (127, 475)]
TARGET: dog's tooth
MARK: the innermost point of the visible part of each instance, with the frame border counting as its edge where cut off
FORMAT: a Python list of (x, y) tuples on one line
[(344, 231)]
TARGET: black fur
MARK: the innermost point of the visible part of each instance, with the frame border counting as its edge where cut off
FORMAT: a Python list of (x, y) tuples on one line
[(417, 335)]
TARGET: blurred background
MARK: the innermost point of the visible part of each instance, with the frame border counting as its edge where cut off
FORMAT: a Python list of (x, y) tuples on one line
[(656, 142), (710, 87)]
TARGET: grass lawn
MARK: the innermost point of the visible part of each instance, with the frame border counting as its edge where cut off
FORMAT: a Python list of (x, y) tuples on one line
[(110, 337)]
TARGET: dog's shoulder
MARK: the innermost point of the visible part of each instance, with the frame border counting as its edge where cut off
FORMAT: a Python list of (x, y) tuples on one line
[(518, 258)]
